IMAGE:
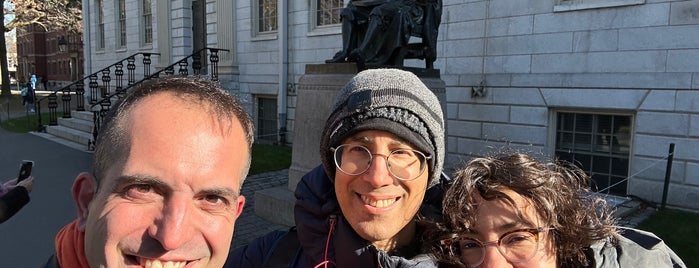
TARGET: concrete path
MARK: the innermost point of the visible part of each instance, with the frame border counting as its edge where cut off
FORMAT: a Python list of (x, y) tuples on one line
[(27, 239)]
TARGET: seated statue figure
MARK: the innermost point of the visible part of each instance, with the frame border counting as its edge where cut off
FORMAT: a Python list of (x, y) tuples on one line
[(377, 32)]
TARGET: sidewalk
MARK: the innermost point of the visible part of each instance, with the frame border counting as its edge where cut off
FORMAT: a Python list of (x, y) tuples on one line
[(249, 226), (27, 239)]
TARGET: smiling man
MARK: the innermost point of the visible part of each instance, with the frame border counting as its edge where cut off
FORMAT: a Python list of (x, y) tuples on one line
[(169, 163), (383, 150)]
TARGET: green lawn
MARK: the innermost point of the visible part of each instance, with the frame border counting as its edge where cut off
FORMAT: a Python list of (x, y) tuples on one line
[(24, 124), (267, 158), (680, 230)]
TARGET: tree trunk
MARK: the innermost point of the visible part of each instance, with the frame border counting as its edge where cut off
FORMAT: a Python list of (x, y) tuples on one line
[(4, 71)]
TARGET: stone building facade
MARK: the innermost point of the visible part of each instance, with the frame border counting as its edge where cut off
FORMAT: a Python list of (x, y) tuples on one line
[(607, 84)]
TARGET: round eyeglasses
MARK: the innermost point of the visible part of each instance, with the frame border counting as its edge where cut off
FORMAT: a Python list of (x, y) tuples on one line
[(516, 246), (404, 164)]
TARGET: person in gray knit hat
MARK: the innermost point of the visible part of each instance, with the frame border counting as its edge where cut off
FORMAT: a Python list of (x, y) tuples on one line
[(391, 100), (382, 150)]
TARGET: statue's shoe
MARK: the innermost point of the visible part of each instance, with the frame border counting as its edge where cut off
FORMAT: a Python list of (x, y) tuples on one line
[(339, 57)]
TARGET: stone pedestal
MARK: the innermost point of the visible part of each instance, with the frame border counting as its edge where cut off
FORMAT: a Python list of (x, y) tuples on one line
[(317, 90)]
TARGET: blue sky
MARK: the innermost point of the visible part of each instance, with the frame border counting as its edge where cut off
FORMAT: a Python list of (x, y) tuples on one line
[(8, 18)]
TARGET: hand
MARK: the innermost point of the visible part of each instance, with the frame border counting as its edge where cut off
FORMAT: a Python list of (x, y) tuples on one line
[(7, 186), (27, 183)]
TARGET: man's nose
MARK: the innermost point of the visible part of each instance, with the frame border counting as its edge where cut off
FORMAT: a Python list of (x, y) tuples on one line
[(174, 228), (378, 174), (493, 258)]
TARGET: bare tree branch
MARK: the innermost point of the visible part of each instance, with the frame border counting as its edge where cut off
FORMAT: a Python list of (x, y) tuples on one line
[(52, 15)]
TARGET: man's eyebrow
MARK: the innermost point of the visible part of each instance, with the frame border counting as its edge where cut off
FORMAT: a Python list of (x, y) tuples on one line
[(504, 227), (159, 184), (512, 225), (362, 139), (139, 179), (365, 139), (220, 191)]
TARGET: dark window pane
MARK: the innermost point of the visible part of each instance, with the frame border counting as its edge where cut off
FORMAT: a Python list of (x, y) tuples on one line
[(604, 123), (583, 123), (328, 12), (583, 161), (602, 143), (566, 121), (565, 140), (620, 166), (598, 144), (267, 16), (564, 156), (600, 183), (620, 188), (600, 164), (267, 119), (583, 142)]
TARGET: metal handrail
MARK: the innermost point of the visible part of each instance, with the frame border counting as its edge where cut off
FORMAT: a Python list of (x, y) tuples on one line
[(105, 103), (79, 90), (96, 73), (170, 67)]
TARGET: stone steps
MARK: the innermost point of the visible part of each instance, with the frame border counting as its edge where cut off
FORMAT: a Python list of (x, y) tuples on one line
[(76, 130)]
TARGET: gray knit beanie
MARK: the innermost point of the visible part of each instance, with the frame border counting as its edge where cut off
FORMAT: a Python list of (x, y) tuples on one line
[(390, 100)]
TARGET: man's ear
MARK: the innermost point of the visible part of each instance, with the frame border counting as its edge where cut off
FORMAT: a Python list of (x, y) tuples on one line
[(241, 204), (84, 189)]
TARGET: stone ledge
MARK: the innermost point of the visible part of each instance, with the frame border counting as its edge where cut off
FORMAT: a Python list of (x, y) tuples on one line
[(276, 205)]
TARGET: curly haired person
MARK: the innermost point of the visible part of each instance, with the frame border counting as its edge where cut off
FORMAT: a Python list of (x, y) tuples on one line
[(515, 211)]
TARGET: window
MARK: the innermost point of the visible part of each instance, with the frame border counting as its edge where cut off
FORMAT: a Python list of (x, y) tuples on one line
[(121, 25), (147, 22), (599, 144), (327, 12), (570, 5), (266, 16), (267, 119), (100, 24)]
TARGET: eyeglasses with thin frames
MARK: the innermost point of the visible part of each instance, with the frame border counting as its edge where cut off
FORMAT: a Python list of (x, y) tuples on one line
[(516, 246), (403, 164)]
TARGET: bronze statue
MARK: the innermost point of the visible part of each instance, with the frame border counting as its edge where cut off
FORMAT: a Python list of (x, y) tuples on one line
[(377, 32)]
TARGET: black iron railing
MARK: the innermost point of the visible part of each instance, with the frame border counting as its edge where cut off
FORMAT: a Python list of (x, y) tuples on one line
[(112, 83), (78, 87), (100, 108)]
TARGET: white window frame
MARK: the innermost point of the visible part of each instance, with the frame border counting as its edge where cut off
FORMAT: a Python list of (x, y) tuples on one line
[(256, 20), (572, 5), (146, 22), (315, 9), (100, 24), (598, 149), (120, 24)]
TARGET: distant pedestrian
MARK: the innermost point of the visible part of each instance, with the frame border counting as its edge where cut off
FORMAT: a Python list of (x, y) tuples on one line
[(33, 81), (28, 97)]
